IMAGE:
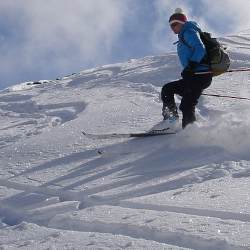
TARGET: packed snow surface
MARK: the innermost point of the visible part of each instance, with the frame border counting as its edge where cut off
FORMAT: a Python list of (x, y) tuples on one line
[(62, 190)]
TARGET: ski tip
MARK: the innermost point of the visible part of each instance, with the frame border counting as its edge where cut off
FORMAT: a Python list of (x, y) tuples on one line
[(84, 132)]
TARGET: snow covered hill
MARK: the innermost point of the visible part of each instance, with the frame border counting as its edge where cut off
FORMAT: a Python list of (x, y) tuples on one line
[(61, 190)]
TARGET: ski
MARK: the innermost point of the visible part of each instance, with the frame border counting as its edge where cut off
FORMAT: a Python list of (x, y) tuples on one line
[(154, 132)]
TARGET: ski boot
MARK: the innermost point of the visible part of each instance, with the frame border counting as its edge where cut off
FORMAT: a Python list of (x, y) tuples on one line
[(170, 119), (170, 114), (188, 119)]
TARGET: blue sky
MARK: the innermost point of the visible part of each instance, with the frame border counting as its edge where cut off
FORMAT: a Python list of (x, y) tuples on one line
[(48, 39)]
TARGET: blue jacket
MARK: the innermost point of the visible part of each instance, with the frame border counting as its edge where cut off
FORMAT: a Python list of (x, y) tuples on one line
[(193, 49)]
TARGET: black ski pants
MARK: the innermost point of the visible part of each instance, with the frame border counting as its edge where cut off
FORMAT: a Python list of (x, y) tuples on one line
[(190, 89)]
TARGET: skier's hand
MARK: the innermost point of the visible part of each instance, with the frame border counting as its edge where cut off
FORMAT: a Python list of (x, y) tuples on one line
[(187, 73), (189, 70)]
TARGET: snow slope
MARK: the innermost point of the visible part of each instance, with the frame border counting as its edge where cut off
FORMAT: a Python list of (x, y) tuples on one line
[(61, 190)]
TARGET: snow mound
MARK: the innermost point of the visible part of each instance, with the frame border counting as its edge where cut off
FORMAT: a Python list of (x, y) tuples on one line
[(62, 190)]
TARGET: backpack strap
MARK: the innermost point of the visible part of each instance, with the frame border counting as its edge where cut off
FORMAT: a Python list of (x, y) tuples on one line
[(184, 41)]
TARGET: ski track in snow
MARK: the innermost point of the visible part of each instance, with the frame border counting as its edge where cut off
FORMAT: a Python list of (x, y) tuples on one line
[(183, 191)]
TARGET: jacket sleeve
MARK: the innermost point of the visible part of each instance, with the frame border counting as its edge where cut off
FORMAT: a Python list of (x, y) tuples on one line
[(192, 38)]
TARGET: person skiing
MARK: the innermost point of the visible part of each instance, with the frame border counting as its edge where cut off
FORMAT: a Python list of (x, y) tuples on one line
[(195, 77)]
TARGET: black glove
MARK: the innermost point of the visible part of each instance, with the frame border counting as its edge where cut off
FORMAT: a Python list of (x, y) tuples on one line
[(188, 71)]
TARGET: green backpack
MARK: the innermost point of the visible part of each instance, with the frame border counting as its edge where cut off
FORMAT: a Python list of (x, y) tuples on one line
[(217, 57)]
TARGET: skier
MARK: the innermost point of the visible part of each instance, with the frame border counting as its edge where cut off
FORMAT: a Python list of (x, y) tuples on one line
[(192, 55)]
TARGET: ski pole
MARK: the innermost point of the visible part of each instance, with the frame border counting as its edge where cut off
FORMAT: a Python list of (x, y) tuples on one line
[(238, 70), (228, 71), (227, 96)]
